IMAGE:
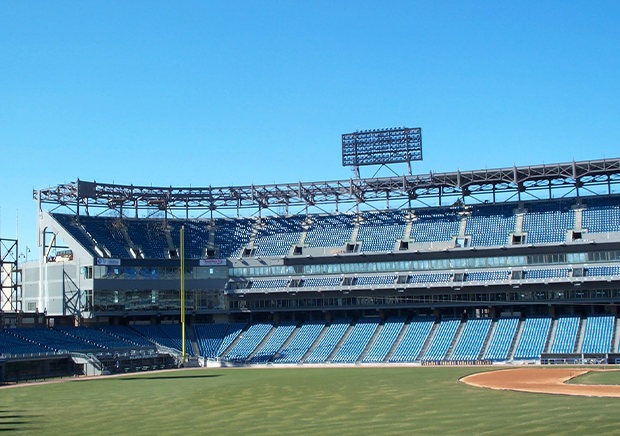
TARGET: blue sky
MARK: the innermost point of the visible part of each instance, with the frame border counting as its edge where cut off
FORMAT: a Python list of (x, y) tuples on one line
[(203, 93)]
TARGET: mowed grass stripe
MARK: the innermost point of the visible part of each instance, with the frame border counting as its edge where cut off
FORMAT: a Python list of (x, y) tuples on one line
[(305, 401)]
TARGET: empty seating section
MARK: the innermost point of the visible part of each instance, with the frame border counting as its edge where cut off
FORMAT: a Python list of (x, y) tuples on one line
[(150, 237), (490, 225), (234, 330), (301, 343), (424, 278), (328, 342), (435, 225), (96, 337), (54, 339), (503, 335), (357, 340), (565, 337), (209, 338), (412, 341), (329, 231), (248, 342), (277, 235), (175, 332), (11, 345), (547, 273), (316, 282), (268, 283), (108, 233), (598, 334), (126, 334), (385, 340), (75, 230), (273, 344), (548, 222), (196, 237), (597, 271), (441, 341), (533, 338), (486, 276), (231, 235), (601, 215), (472, 339), (374, 280), (162, 336), (379, 231)]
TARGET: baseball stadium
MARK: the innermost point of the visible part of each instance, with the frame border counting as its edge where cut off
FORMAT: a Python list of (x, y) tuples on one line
[(378, 305)]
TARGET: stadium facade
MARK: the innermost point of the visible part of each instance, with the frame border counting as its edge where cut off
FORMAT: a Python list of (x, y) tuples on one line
[(462, 258)]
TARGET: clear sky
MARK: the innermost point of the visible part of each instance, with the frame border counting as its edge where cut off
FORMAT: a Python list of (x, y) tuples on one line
[(231, 93)]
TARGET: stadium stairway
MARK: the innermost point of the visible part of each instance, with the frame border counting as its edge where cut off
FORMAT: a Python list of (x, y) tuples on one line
[(515, 341), (455, 341), (236, 340), (340, 342), (316, 342), (189, 331), (372, 340), (487, 340), (580, 335), (428, 341), (398, 340), (288, 341), (551, 337)]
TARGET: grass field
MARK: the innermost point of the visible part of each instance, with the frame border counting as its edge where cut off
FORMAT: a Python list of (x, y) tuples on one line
[(305, 401), (598, 378)]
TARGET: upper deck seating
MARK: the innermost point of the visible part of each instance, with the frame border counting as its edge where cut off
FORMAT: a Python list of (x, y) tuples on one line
[(277, 234), (435, 225), (548, 222), (602, 215), (379, 231), (490, 225), (231, 235), (329, 231)]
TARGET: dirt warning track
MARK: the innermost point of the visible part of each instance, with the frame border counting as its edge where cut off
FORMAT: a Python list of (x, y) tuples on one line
[(542, 381)]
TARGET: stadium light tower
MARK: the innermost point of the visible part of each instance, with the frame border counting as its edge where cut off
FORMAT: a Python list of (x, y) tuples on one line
[(381, 147)]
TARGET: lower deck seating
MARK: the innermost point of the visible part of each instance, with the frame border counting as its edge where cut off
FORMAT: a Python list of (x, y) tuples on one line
[(248, 342), (565, 334), (273, 344), (533, 338), (441, 341), (384, 342), (357, 340), (598, 334), (503, 335), (328, 342), (472, 339), (411, 344), (301, 343)]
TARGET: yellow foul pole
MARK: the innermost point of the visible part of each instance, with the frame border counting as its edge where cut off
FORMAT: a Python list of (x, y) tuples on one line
[(183, 288)]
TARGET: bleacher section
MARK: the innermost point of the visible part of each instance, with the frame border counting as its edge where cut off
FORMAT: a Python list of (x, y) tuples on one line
[(277, 235), (424, 278), (126, 334), (598, 334), (329, 231), (248, 342), (486, 276), (547, 222), (499, 346), (96, 337), (315, 282), (413, 340), (565, 334), (490, 225), (301, 343), (546, 273), (379, 231), (374, 280), (434, 225), (357, 340), (328, 342), (472, 339), (601, 215), (54, 339), (533, 338), (11, 345), (385, 340), (273, 344), (442, 340)]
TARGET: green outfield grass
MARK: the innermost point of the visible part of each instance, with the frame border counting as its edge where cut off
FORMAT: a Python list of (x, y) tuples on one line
[(305, 401), (598, 378)]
